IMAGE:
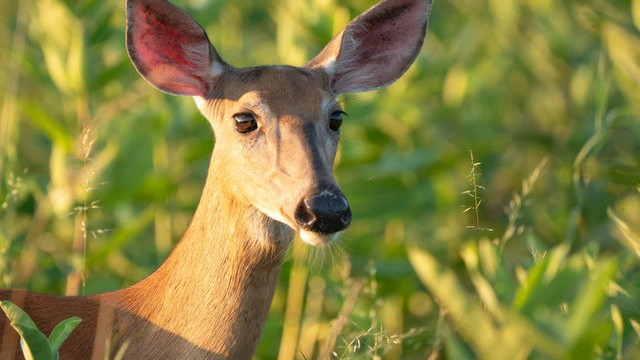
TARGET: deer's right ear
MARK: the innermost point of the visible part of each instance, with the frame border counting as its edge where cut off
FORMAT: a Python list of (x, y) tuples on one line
[(170, 49)]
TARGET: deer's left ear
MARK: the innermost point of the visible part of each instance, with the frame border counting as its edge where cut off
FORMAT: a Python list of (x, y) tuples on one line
[(170, 49), (377, 47)]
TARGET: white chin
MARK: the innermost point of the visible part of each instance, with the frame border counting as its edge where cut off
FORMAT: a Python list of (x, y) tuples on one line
[(316, 239)]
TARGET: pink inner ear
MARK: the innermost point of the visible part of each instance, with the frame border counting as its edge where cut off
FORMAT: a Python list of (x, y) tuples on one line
[(169, 49), (387, 40), (377, 47)]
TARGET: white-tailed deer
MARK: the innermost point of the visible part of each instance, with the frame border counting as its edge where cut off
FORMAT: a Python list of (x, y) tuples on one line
[(271, 175)]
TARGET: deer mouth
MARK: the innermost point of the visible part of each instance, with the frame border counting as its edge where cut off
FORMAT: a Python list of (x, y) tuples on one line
[(317, 239)]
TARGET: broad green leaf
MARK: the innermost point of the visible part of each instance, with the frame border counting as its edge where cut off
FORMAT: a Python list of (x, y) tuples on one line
[(34, 344), (62, 331)]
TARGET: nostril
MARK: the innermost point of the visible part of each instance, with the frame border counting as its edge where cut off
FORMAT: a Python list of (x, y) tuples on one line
[(304, 215), (345, 217)]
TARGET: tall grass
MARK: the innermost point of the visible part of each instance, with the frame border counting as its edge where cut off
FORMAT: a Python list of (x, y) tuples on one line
[(100, 174)]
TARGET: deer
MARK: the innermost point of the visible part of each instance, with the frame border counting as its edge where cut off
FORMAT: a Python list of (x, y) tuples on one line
[(276, 131)]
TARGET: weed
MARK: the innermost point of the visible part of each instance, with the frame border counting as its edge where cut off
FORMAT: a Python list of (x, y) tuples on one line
[(474, 208)]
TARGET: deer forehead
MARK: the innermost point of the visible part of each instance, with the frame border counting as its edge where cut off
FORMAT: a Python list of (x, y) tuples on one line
[(273, 93)]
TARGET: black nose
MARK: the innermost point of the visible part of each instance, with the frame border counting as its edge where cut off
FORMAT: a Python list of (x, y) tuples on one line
[(326, 213)]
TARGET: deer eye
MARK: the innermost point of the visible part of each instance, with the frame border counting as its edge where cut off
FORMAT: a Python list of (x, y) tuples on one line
[(335, 120), (245, 123)]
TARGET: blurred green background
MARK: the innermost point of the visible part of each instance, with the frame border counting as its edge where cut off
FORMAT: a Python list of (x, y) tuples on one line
[(495, 187)]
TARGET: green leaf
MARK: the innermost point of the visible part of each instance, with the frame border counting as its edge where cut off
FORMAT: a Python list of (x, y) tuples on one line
[(590, 302), (544, 275), (34, 343), (62, 331), (455, 347), (61, 33)]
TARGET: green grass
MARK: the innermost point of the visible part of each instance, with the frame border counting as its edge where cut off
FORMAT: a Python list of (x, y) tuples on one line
[(100, 174)]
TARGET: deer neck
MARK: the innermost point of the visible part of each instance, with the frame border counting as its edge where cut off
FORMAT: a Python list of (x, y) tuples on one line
[(216, 287)]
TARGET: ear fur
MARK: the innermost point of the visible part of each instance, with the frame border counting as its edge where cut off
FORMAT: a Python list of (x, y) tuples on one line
[(375, 48), (170, 49)]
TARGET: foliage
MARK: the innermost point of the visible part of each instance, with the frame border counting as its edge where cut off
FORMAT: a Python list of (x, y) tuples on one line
[(35, 344), (94, 163)]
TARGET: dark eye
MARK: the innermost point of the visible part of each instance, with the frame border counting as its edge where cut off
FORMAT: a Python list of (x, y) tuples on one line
[(335, 120), (245, 123)]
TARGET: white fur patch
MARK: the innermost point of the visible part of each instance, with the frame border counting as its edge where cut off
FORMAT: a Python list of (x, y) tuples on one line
[(200, 103), (316, 239), (276, 216), (328, 102), (329, 66)]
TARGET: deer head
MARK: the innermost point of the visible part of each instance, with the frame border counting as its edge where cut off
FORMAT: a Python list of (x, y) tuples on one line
[(277, 127)]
